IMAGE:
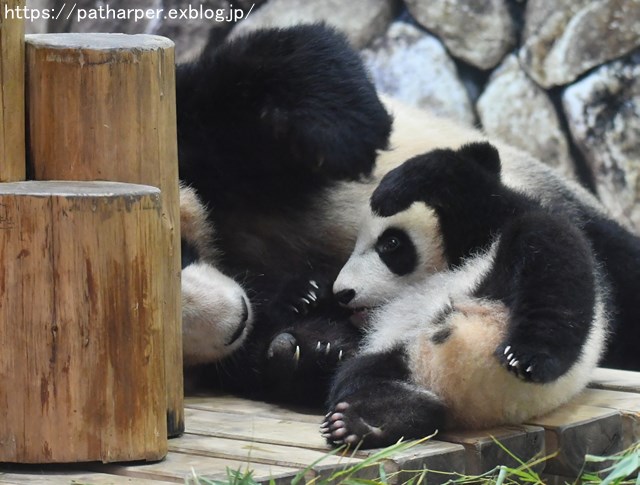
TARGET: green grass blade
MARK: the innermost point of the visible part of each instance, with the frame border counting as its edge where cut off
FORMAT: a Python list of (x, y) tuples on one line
[(624, 469)]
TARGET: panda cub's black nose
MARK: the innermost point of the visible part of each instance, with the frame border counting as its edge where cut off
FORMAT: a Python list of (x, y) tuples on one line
[(345, 296)]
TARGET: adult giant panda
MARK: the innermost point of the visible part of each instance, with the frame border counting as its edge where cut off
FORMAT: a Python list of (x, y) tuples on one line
[(485, 307), (279, 133), (276, 133)]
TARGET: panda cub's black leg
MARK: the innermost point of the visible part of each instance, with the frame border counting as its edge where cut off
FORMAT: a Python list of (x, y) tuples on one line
[(545, 274), (373, 402)]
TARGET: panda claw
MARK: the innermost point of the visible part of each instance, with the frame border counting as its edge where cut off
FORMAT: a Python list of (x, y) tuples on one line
[(327, 349), (312, 296), (507, 349), (529, 369), (510, 357), (340, 356), (296, 354), (318, 346), (314, 284)]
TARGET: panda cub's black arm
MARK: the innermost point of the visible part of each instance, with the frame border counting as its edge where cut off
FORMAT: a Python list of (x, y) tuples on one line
[(545, 274)]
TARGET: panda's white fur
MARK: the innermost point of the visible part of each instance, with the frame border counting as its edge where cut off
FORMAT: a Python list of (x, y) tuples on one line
[(463, 371), (216, 314)]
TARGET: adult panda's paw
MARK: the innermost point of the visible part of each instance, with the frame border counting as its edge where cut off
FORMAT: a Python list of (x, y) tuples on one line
[(306, 297), (343, 425), (317, 344), (530, 364), (301, 359), (296, 298)]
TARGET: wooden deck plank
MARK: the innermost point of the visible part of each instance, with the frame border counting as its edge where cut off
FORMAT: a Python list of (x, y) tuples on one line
[(575, 430), (229, 432), (49, 477), (254, 428), (627, 403), (616, 380), (433, 455), (227, 403), (177, 466), (484, 454), (268, 454)]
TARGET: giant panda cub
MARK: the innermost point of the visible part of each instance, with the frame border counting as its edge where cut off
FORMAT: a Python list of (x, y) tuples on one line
[(481, 307)]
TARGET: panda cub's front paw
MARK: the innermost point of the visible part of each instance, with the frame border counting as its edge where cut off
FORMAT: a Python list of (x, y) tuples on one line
[(530, 364), (397, 190)]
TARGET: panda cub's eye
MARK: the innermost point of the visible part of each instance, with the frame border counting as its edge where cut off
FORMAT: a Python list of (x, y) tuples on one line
[(397, 251), (388, 244)]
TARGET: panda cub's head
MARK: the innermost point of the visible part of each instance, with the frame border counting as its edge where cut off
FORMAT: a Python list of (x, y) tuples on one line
[(216, 312), (391, 254)]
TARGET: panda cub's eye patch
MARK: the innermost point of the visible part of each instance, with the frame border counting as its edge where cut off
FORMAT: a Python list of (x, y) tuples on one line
[(397, 251)]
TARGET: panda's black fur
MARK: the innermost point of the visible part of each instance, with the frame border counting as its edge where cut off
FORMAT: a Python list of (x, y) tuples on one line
[(279, 132), (520, 280), (267, 124)]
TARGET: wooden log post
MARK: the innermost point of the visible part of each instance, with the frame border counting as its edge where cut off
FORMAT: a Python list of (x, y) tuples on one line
[(12, 143), (81, 333), (102, 107)]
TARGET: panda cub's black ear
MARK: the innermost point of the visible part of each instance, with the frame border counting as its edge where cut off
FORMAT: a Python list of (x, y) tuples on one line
[(482, 153)]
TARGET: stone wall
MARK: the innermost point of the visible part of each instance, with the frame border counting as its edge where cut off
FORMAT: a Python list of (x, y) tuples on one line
[(558, 78)]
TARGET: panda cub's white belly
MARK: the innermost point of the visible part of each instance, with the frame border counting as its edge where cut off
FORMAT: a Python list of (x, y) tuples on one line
[(451, 338)]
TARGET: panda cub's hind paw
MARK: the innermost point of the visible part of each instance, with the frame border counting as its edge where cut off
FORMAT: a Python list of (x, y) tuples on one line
[(343, 426), (530, 364)]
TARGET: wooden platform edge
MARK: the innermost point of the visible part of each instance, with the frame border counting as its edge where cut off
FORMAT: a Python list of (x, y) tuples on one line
[(230, 433)]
